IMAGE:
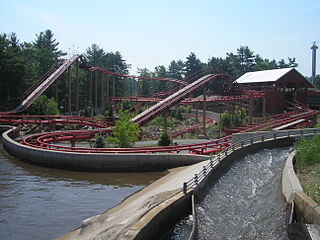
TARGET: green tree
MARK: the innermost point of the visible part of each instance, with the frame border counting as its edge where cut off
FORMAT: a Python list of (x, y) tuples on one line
[(125, 132), (145, 84), (44, 106), (176, 69), (46, 52), (126, 105), (99, 142), (12, 69), (164, 139), (192, 64)]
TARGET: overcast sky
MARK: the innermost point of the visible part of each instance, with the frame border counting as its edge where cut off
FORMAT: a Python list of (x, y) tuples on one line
[(152, 33)]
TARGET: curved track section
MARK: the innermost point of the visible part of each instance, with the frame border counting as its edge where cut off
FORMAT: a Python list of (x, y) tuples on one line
[(138, 77)]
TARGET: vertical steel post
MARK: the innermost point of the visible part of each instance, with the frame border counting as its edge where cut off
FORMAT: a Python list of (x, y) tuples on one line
[(69, 90), (102, 90), (250, 110), (78, 86), (165, 121), (204, 109), (90, 89), (57, 92), (96, 92), (113, 86), (197, 108), (264, 109)]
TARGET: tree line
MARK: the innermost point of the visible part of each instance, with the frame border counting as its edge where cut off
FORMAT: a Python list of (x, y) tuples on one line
[(24, 63)]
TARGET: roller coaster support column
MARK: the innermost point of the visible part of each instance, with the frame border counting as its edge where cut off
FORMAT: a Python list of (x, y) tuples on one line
[(90, 90), (250, 109), (165, 121), (138, 87), (113, 86), (73, 143), (77, 87), (204, 109), (108, 92), (264, 109), (69, 90), (102, 90), (57, 92), (197, 108), (96, 92)]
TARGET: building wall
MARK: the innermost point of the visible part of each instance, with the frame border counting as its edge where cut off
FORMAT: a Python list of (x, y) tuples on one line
[(275, 102)]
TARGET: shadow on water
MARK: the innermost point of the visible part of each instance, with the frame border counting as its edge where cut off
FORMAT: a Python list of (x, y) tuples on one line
[(45, 203)]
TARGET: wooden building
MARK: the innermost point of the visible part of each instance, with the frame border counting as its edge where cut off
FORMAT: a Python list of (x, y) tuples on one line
[(282, 86)]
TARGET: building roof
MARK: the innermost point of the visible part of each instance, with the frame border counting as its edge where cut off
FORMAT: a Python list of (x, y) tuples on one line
[(263, 76)]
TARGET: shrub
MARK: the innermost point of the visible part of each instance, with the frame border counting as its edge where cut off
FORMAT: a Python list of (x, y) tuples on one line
[(44, 106), (125, 132), (99, 142), (164, 139)]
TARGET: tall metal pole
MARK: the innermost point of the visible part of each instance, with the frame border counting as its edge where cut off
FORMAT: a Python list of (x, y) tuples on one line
[(314, 48), (102, 89), (204, 109), (113, 86), (108, 88), (78, 86), (96, 92), (69, 90), (90, 89)]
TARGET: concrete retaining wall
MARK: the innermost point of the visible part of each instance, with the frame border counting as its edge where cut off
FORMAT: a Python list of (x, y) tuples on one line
[(306, 209), (97, 161)]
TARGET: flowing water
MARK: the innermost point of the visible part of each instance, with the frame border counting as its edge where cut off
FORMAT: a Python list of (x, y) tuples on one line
[(43, 203), (245, 203)]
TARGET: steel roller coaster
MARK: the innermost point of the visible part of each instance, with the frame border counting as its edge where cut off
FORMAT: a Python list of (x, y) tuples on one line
[(52, 139)]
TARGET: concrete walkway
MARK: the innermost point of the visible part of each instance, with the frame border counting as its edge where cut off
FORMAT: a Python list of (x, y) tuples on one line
[(117, 221)]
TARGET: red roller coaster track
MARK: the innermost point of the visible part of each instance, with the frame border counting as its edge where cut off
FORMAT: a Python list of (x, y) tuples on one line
[(49, 140)]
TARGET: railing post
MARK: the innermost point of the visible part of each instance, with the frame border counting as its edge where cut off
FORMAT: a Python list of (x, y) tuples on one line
[(288, 134), (262, 138), (251, 141), (219, 159), (196, 179), (241, 144), (301, 133), (315, 131), (204, 170), (232, 148), (185, 186)]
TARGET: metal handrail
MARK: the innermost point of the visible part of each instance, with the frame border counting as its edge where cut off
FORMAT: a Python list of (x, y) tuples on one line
[(194, 182)]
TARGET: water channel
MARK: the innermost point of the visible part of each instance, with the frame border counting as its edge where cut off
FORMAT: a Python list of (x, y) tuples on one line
[(44, 203), (245, 203)]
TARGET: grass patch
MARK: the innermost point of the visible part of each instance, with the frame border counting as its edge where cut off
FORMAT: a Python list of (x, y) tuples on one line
[(308, 166), (309, 178)]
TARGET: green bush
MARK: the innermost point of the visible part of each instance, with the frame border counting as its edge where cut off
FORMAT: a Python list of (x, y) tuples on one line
[(164, 139), (308, 151), (44, 106), (99, 142), (125, 132)]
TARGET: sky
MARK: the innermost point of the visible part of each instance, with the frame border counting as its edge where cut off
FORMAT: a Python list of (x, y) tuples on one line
[(155, 32)]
